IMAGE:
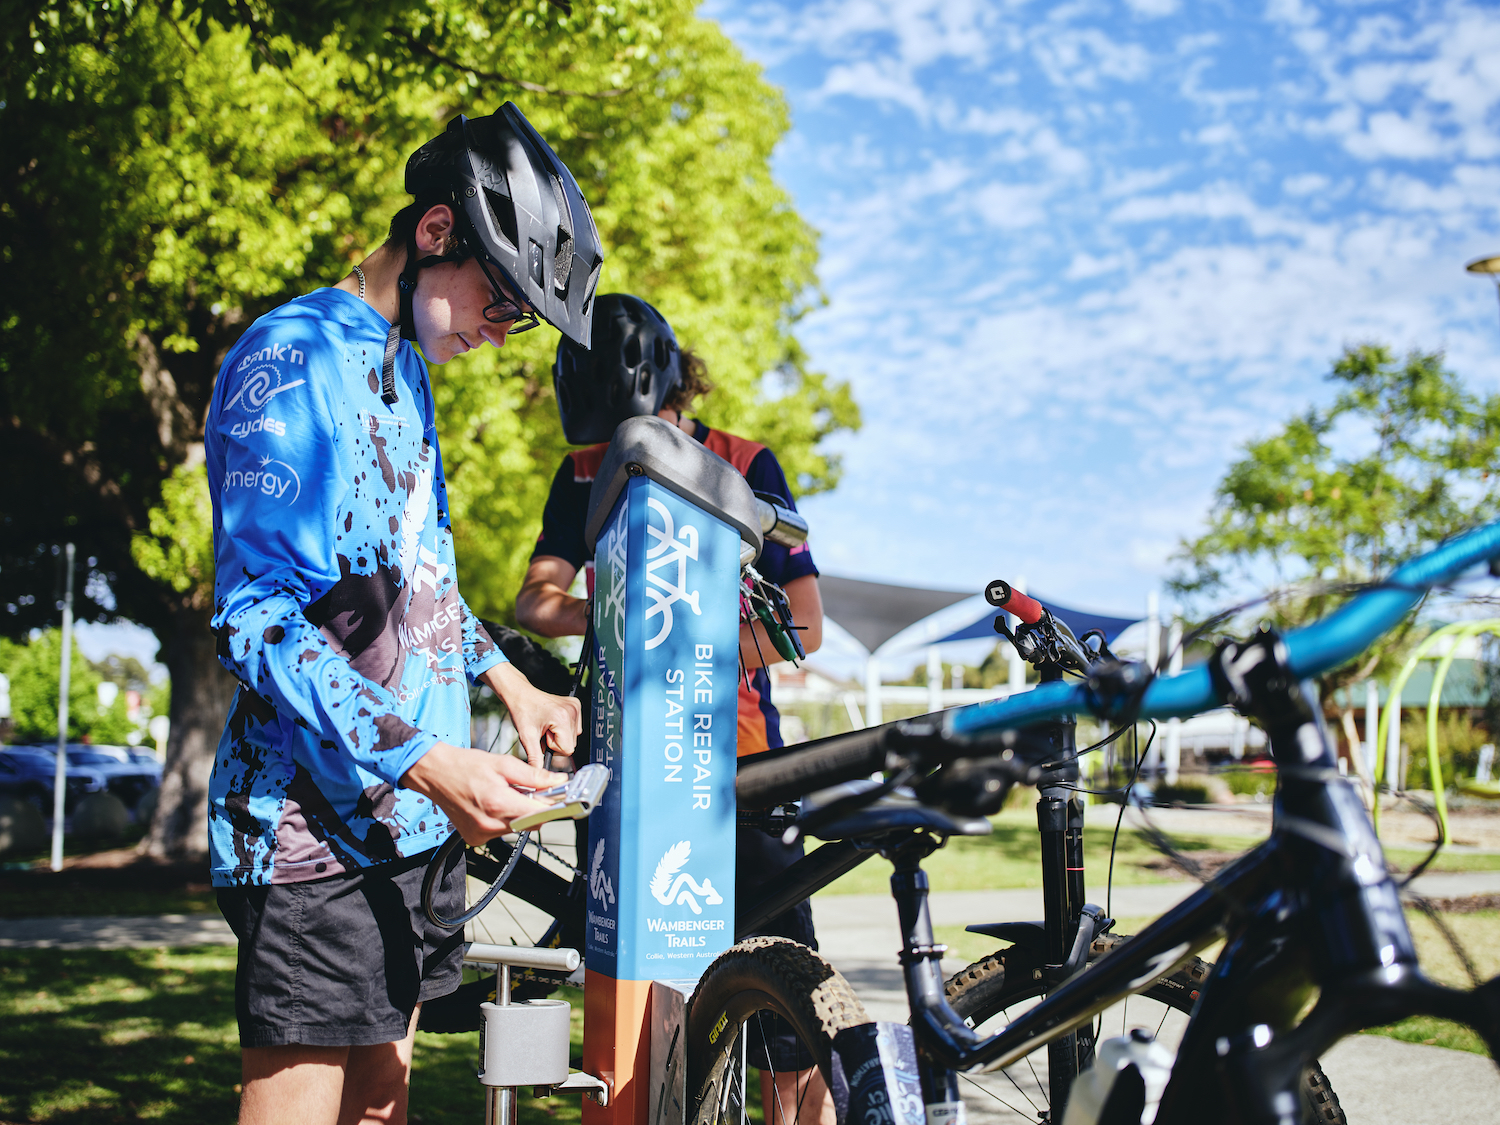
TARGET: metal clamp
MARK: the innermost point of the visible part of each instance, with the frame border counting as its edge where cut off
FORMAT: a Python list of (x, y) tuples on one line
[(587, 1084)]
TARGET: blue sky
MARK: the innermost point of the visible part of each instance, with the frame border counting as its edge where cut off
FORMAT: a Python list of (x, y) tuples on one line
[(1077, 254)]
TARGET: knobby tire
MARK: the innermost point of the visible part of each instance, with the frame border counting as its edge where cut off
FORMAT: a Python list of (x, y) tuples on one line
[(748, 983)]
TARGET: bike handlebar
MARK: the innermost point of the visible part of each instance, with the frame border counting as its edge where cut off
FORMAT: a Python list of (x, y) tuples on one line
[(1313, 650)]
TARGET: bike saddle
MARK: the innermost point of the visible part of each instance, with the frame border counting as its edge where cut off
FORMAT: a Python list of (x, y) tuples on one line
[(897, 810)]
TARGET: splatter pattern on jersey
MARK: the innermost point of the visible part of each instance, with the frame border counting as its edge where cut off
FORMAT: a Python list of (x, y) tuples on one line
[(336, 603)]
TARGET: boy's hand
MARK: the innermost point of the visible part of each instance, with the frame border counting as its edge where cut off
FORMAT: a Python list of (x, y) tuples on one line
[(476, 789), (543, 722)]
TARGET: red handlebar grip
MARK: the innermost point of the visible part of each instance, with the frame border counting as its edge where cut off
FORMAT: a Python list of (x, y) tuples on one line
[(1004, 596)]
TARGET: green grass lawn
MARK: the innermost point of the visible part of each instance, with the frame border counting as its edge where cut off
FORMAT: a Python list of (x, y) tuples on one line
[(149, 1035), (1009, 857), (140, 888)]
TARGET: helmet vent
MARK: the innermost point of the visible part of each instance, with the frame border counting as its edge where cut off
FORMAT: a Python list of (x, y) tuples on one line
[(562, 262), (592, 286), (659, 353), (503, 211), (632, 354), (562, 256), (645, 388)]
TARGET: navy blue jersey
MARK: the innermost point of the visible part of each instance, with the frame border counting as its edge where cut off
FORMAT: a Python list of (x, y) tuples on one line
[(336, 602), (566, 514)]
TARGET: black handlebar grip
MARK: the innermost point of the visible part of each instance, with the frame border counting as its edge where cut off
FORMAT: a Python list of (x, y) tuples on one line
[(829, 761)]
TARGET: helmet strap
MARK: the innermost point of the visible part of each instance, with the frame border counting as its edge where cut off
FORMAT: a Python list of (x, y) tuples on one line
[(405, 326)]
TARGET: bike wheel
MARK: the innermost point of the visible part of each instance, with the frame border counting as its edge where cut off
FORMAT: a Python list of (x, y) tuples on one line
[(985, 992), (768, 1004)]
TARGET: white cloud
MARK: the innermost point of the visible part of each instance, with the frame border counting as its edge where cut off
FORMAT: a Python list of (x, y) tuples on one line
[(882, 80), (1139, 250), (1084, 266), (1012, 206), (1222, 133), (1307, 183), (1087, 58), (1152, 9)]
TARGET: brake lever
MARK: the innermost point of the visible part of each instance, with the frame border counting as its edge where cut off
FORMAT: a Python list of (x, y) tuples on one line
[(1049, 641)]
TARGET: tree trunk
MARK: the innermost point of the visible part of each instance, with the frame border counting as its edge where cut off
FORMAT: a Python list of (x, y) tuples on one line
[(202, 692)]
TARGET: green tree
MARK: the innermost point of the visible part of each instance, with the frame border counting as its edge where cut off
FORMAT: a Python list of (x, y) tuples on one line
[(1400, 460), (35, 672), (174, 171)]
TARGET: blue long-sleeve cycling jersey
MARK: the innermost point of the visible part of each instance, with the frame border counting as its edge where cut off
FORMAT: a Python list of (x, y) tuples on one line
[(336, 601)]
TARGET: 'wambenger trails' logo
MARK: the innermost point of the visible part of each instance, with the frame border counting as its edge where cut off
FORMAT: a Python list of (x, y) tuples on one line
[(672, 548), (682, 889), (599, 885)]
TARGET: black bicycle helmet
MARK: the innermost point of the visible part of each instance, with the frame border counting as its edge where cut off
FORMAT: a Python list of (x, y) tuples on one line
[(632, 367), (518, 208)]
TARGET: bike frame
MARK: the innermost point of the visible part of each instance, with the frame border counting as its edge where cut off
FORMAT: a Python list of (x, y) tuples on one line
[(1316, 946)]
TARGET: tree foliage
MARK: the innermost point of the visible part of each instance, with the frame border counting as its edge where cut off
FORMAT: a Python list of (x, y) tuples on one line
[(35, 673), (174, 170), (1400, 460)]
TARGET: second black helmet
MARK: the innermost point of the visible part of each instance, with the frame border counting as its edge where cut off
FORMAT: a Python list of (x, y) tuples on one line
[(632, 367)]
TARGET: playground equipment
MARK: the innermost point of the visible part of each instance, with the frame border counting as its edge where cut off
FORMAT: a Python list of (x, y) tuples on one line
[(1456, 634)]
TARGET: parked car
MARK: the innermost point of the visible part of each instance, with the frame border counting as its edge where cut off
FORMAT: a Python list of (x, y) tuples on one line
[(126, 778), (29, 773)]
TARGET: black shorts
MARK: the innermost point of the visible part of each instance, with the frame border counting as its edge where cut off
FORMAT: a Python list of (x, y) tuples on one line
[(770, 1042), (342, 962)]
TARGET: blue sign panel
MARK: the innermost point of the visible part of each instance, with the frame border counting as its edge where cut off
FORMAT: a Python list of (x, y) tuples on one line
[(666, 657)]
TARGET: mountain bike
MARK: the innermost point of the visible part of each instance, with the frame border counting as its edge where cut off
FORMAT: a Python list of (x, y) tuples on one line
[(905, 826), (1315, 943), (1316, 946)]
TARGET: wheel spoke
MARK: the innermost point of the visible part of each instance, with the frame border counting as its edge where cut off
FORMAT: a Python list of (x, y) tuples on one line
[(991, 1094)]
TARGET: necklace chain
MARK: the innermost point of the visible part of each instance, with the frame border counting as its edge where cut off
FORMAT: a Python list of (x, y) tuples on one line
[(359, 273)]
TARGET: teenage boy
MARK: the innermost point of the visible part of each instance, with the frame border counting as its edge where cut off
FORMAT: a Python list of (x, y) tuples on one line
[(345, 758)]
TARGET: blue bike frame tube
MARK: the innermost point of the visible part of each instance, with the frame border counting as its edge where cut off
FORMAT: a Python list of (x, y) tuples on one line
[(1313, 650)]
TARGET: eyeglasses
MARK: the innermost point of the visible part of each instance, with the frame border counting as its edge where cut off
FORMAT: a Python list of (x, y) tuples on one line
[(505, 307)]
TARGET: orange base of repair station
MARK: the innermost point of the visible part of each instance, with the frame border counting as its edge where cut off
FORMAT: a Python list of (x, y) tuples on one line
[(617, 1047)]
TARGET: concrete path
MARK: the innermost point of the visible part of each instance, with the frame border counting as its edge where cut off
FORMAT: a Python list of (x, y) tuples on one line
[(1380, 1081), (114, 931)]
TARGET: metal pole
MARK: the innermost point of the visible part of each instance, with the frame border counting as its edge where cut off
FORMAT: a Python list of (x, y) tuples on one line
[(60, 778), (500, 1101), (1372, 723), (934, 679), (1393, 748), (1174, 726), (1152, 768), (873, 713)]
